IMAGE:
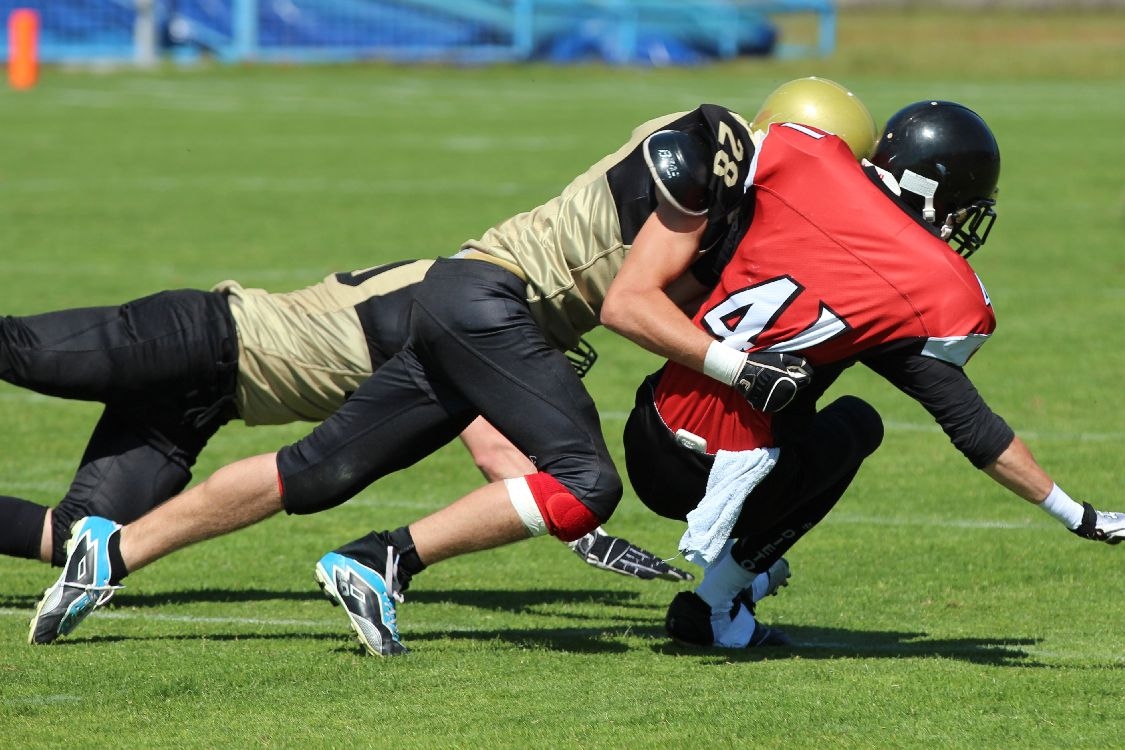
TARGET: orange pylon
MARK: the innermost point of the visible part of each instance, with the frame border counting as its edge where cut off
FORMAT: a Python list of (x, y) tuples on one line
[(23, 44)]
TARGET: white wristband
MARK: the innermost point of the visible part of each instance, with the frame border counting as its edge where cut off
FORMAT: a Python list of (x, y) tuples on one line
[(723, 363), (1059, 505)]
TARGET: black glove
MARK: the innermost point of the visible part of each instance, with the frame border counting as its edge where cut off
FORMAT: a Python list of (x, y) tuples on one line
[(1101, 526), (770, 380), (614, 553)]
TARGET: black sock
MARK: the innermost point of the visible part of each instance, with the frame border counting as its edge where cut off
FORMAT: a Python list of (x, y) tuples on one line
[(22, 529), (408, 559), (371, 550), (117, 569)]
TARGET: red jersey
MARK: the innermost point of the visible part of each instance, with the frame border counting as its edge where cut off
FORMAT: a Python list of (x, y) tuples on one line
[(829, 267)]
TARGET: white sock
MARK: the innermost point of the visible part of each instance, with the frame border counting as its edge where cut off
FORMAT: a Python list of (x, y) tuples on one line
[(722, 582), (734, 633), (1059, 505), (759, 588)]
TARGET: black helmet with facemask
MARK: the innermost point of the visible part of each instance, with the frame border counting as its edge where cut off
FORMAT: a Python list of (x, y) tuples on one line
[(947, 165)]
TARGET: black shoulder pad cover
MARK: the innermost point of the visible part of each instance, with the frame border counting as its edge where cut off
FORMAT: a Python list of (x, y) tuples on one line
[(681, 168)]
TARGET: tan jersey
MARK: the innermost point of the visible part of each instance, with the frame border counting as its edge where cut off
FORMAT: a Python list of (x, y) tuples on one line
[(571, 247), (301, 353)]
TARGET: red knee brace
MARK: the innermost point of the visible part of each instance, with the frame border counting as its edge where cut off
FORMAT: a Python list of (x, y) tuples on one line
[(565, 516)]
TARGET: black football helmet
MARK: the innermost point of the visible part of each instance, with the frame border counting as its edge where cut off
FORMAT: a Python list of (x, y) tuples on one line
[(947, 164)]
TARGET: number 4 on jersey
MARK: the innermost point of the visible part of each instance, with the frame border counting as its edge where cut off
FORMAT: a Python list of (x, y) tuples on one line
[(740, 319)]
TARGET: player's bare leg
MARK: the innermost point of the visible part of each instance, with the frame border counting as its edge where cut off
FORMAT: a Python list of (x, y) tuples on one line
[(47, 538), (481, 520), (367, 581), (234, 497)]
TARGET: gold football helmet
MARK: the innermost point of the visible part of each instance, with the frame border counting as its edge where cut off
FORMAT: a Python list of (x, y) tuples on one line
[(823, 104)]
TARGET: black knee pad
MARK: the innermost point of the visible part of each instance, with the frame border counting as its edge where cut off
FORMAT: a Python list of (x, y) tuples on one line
[(607, 493), (861, 420), (310, 486)]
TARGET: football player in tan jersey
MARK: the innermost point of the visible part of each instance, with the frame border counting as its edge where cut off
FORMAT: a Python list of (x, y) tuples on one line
[(174, 367), (487, 331)]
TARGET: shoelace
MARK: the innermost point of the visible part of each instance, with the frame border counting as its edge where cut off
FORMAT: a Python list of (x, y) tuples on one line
[(103, 593)]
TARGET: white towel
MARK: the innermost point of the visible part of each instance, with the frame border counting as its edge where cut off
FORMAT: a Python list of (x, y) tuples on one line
[(733, 476)]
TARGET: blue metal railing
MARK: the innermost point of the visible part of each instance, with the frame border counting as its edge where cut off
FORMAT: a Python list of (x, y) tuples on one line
[(618, 31)]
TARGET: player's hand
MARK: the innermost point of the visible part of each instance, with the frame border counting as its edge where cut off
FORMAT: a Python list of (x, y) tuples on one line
[(614, 553), (770, 380), (1101, 526)]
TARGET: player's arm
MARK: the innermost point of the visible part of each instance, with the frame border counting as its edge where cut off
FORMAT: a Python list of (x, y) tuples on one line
[(493, 453), (638, 304), (987, 441), (1017, 469), (688, 293)]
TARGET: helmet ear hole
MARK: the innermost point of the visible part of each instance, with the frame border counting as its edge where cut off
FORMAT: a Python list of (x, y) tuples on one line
[(947, 163)]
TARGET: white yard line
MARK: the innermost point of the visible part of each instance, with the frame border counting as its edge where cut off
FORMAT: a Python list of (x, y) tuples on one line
[(152, 616)]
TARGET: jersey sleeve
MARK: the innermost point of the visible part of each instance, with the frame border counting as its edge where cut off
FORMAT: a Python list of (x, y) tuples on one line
[(730, 152), (946, 392)]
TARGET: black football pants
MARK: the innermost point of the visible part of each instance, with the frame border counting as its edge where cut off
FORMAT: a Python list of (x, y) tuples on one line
[(811, 474), (165, 368), (474, 348)]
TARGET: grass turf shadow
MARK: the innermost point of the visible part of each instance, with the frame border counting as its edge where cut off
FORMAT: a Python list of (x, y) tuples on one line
[(834, 643), (810, 642)]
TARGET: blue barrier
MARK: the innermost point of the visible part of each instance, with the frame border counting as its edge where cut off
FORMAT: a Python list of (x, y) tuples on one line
[(648, 32), (79, 31)]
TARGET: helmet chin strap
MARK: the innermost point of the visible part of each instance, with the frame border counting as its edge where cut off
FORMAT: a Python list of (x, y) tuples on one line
[(921, 186), (953, 221), (924, 187), (928, 212), (949, 226)]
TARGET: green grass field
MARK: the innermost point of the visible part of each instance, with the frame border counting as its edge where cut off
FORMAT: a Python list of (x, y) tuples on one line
[(932, 608)]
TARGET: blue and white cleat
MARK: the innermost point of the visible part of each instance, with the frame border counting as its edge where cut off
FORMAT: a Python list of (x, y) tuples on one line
[(83, 586), (367, 597)]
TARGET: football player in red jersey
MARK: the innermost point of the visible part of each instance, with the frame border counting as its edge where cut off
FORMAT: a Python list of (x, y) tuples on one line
[(842, 263)]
